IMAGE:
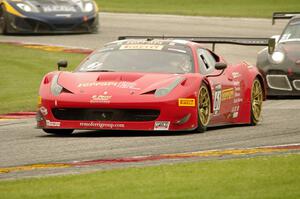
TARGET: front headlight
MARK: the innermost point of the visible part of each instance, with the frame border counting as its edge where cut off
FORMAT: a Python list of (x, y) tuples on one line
[(88, 7), (277, 57), (55, 87), (24, 7), (27, 7), (165, 91)]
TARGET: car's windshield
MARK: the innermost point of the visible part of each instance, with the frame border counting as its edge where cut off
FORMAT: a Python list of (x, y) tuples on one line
[(140, 58), (292, 31)]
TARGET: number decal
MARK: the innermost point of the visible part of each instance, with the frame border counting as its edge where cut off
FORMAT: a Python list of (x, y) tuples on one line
[(217, 101)]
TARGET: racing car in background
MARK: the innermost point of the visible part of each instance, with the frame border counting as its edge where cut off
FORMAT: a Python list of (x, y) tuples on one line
[(280, 63), (152, 84), (48, 16)]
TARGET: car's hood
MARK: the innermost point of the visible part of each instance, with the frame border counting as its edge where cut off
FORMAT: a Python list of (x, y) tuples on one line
[(115, 83), (291, 49)]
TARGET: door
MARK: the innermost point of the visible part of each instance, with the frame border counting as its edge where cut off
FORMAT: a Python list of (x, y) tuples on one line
[(222, 87)]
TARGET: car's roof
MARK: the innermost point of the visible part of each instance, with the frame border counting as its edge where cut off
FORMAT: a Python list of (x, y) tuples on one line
[(294, 20)]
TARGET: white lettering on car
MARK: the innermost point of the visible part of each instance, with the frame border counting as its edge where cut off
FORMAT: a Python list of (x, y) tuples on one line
[(52, 124), (101, 125)]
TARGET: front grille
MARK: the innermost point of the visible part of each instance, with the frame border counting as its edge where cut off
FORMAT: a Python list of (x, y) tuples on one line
[(64, 26), (84, 114), (279, 82), (31, 25), (296, 84)]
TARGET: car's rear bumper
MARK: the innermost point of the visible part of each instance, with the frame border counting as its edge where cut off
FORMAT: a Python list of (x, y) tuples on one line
[(48, 25)]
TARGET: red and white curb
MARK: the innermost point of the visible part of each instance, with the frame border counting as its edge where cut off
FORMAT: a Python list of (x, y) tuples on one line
[(17, 115), (197, 154), (50, 47)]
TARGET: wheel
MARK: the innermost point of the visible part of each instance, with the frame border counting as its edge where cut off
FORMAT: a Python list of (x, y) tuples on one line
[(59, 131), (204, 108), (256, 101), (3, 27)]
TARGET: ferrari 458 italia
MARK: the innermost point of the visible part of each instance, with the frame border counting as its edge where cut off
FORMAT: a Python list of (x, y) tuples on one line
[(151, 84)]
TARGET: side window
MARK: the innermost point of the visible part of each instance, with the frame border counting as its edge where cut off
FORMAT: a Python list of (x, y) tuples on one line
[(206, 61)]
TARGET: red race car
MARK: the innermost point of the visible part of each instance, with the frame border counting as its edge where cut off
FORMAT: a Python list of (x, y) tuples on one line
[(156, 84)]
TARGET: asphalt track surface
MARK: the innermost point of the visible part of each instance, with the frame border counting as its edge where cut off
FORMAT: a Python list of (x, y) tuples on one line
[(22, 144)]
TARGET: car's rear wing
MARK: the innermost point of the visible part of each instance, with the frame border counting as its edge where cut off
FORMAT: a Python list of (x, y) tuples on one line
[(283, 15), (248, 41)]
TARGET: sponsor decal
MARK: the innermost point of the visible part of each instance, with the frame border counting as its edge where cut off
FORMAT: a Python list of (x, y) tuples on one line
[(100, 99), (39, 101), (161, 125), (235, 114), (58, 8), (235, 109), (237, 94), (52, 124), (237, 88), (237, 100), (236, 83), (152, 42), (63, 15), (186, 102), (235, 75), (227, 94), (44, 111), (101, 125), (125, 85), (141, 46)]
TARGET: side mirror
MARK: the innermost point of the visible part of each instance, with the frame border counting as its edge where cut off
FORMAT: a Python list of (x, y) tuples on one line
[(62, 64), (271, 45), (220, 66)]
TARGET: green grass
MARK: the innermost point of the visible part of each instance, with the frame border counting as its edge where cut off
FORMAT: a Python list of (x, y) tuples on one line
[(21, 72), (260, 177), (229, 8)]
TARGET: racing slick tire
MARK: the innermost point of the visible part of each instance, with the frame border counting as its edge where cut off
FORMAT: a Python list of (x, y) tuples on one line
[(204, 108), (59, 131), (256, 101), (3, 22)]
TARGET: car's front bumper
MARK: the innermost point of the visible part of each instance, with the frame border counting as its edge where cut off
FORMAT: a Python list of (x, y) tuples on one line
[(283, 79), (171, 117), (51, 24), (283, 85)]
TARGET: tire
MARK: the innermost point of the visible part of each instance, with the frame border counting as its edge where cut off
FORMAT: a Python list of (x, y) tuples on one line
[(59, 131), (256, 102), (3, 20), (204, 108)]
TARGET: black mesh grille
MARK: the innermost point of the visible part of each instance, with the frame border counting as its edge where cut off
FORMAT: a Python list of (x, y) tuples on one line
[(105, 114), (297, 84), (278, 82)]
